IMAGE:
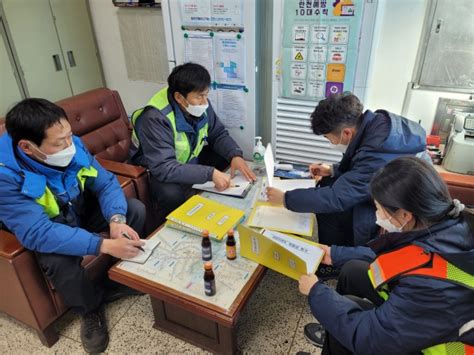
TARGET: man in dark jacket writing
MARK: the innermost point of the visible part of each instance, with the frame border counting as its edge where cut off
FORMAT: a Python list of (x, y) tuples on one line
[(180, 139)]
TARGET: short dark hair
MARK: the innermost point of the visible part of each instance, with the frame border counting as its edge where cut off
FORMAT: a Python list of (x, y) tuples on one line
[(414, 185), (30, 118), (188, 77), (335, 113)]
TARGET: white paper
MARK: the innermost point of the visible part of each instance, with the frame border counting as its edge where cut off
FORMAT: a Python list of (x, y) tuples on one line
[(227, 13), (199, 48), (281, 219), (150, 245), (229, 58), (240, 183), (287, 185), (269, 164), (195, 12), (310, 254), (231, 105)]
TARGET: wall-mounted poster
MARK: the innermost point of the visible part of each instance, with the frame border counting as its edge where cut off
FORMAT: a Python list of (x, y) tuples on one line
[(320, 45)]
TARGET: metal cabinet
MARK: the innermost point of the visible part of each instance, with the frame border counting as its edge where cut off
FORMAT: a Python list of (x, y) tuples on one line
[(54, 46)]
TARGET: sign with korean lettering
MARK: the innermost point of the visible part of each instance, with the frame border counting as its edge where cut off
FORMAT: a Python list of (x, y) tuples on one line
[(320, 46)]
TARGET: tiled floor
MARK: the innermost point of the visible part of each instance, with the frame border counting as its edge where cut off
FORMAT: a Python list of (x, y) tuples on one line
[(271, 323)]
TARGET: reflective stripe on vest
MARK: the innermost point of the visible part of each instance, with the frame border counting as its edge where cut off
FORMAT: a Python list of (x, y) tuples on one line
[(48, 200), (414, 260), (181, 142)]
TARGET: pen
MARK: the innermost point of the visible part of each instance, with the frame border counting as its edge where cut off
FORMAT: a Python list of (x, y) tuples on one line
[(126, 236), (234, 185)]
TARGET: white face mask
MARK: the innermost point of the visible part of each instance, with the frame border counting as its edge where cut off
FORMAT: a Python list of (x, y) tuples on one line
[(340, 147), (61, 158), (197, 110), (388, 226)]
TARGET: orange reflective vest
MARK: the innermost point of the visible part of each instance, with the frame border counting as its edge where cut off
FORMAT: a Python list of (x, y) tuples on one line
[(413, 260)]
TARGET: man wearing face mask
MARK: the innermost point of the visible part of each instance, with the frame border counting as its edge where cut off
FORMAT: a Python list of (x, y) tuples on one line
[(180, 139), (368, 140), (56, 198)]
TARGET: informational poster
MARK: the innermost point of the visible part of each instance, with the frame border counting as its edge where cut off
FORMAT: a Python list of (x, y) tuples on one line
[(195, 12), (231, 105), (227, 13), (221, 13), (199, 48), (229, 53), (320, 47)]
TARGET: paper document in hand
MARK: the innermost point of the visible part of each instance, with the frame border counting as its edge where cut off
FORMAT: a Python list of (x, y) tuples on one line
[(287, 185), (239, 186), (269, 164), (287, 254), (150, 245), (282, 220)]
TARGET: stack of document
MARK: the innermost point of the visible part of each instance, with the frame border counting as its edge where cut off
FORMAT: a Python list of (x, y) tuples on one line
[(199, 213), (239, 187)]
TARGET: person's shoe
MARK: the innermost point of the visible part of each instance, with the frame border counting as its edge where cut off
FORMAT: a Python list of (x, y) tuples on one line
[(94, 333), (115, 293), (327, 272), (315, 334)]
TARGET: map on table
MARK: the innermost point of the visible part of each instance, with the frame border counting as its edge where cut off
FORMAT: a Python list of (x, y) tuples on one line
[(177, 263)]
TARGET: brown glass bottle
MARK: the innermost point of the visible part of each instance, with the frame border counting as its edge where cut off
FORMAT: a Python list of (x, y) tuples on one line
[(209, 280), (230, 247), (206, 246)]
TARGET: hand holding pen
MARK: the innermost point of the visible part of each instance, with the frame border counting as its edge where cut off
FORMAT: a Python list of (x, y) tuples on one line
[(136, 246)]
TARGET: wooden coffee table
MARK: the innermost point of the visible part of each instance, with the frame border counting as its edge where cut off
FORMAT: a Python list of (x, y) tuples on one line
[(197, 322), (192, 319)]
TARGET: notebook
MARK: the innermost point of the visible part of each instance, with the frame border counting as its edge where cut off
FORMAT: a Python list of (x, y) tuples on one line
[(150, 245), (199, 213)]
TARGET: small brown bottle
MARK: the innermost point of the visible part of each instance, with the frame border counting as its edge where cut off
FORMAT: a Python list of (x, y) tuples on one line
[(209, 280), (206, 246), (230, 247)]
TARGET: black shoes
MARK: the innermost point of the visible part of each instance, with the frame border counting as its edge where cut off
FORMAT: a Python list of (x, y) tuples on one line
[(315, 334), (94, 333), (327, 272)]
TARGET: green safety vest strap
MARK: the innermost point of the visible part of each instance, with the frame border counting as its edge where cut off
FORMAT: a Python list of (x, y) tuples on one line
[(181, 142), (454, 348), (48, 200)]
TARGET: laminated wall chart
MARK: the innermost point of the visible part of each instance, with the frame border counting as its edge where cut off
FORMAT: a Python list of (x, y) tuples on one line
[(221, 52), (320, 44)]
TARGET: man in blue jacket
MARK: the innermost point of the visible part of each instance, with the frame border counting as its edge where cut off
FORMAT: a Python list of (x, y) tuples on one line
[(55, 198), (369, 140), (180, 139)]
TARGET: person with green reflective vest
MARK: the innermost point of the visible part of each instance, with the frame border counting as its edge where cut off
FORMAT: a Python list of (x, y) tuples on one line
[(180, 139), (409, 291), (55, 198)]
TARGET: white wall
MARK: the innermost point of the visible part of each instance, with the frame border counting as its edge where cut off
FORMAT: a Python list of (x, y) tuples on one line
[(397, 37), (134, 94)]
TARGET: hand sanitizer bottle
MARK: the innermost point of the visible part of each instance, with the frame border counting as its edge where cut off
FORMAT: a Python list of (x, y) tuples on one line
[(258, 152)]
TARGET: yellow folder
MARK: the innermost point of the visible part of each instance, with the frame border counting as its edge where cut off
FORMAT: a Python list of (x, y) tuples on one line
[(287, 254), (199, 213)]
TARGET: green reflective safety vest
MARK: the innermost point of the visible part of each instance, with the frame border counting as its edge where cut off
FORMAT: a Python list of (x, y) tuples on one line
[(48, 200), (413, 260), (181, 142)]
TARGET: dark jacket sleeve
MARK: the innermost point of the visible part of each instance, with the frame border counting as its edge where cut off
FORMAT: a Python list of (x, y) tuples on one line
[(219, 138), (349, 189), (341, 254), (157, 140), (413, 318)]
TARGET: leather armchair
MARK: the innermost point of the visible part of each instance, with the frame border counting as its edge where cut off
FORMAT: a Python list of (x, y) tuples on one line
[(99, 118)]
